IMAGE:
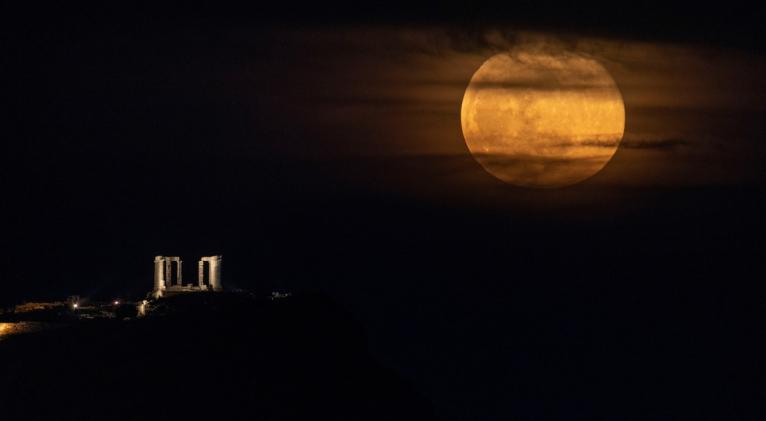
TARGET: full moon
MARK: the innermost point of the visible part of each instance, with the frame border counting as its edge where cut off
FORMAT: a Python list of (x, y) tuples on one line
[(542, 120)]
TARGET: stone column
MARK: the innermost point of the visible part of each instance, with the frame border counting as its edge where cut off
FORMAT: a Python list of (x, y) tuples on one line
[(201, 273), (159, 276), (215, 273), (180, 272), (169, 272)]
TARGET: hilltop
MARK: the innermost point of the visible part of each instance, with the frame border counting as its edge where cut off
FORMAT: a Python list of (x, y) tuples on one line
[(206, 356)]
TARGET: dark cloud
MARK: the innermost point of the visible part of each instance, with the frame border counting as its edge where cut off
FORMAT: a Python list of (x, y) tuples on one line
[(670, 143), (512, 159), (389, 103), (662, 144), (544, 85)]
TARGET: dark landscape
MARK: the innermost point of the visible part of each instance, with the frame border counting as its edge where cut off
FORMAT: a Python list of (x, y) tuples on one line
[(206, 356)]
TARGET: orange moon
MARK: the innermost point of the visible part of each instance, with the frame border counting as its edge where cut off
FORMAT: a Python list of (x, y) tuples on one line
[(542, 120)]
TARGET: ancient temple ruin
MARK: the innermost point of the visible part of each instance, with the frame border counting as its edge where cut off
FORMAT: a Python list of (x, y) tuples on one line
[(168, 275)]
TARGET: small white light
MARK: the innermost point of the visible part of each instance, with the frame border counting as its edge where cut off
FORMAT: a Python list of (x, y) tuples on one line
[(116, 302), (75, 305)]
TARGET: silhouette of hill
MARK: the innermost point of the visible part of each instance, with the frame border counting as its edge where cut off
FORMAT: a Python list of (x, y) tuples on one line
[(204, 357)]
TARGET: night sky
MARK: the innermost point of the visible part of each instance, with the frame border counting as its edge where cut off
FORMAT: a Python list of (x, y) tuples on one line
[(320, 149)]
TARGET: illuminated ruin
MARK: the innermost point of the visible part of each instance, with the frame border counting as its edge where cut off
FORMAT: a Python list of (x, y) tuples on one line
[(168, 275)]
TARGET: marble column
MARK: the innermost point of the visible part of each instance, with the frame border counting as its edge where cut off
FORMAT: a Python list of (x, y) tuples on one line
[(215, 273), (201, 273), (168, 272), (159, 276)]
